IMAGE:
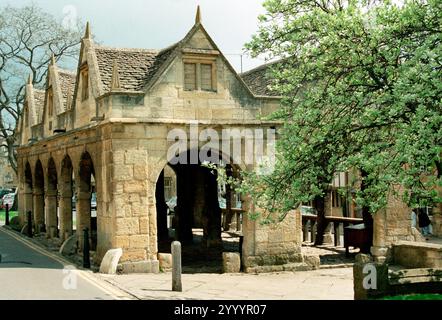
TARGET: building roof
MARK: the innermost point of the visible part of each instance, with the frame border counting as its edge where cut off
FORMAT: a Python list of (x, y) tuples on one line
[(135, 66), (67, 84), (259, 79), (39, 100)]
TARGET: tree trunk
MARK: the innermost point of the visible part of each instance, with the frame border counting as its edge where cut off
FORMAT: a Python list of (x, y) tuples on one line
[(319, 205)]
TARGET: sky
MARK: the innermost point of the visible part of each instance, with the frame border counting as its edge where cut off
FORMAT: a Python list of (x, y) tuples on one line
[(156, 24)]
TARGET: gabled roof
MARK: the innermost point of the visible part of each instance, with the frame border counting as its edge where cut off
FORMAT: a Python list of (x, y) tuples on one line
[(136, 67), (259, 79), (67, 86), (39, 100)]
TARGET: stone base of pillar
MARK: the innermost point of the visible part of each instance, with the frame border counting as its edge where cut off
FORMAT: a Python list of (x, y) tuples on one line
[(380, 254), (276, 263), (147, 266)]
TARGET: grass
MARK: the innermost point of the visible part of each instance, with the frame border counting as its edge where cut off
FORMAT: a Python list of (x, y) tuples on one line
[(11, 214), (415, 297)]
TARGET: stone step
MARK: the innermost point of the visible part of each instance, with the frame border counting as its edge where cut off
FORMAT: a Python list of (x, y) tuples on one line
[(399, 275)]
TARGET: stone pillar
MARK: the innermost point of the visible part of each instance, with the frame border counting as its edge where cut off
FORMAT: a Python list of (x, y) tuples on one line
[(21, 201), (161, 208), (65, 211), (274, 247), (437, 216), (39, 211), (51, 213), (379, 249), (28, 201), (83, 216)]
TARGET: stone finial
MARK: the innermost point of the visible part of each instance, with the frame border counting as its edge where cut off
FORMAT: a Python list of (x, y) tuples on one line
[(87, 33), (30, 79), (198, 15), (115, 83), (53, 62)]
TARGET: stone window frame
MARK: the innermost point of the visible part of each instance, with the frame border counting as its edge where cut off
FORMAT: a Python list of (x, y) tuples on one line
[(198, 61)]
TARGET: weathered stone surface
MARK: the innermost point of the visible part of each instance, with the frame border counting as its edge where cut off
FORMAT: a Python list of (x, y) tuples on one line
[(312, 261), (148, 266), (69, 246), (165, 260), (417, 255), (110, 261), (231, 262)]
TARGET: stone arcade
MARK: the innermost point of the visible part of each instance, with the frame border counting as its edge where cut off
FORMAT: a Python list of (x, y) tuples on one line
[(104, 129)]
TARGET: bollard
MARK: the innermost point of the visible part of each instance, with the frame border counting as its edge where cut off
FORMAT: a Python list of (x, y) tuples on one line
[(86, 255), (29, 224), (241, 243), (7, 214), (176, 267)]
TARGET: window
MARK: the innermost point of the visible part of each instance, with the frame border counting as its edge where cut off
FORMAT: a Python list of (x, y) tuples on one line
[(199, 74), (50, 103), (84, 85), (189, 76), (206, 77), (167, 187)]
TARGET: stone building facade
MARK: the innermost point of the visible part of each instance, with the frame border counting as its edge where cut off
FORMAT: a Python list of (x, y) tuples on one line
[(8, 177), (106, 127)]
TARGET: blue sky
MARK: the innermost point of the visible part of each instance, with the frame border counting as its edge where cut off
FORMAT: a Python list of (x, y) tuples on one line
[(156, 24)]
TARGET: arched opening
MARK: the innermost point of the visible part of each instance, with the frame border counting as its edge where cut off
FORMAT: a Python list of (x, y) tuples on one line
[(196, 213), (38, 198), (28, 197), (86, 217), (66, 199), (51, 201)]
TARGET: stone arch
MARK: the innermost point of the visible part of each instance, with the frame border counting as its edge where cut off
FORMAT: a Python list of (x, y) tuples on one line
[(197, 204), (51, 196), (85, 188), (38, 197), (66, 185)]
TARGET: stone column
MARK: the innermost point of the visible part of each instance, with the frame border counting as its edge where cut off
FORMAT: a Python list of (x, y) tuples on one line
[(39, 214), (83, 215), (161, 208), (437, 216), (274, 247), (51, 213), (65, 206), (28, 201), (379, 249)]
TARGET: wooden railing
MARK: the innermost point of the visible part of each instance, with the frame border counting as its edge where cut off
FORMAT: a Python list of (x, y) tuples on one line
[(309, 222), (232, 221)]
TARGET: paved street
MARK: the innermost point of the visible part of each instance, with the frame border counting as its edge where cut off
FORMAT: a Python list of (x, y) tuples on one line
[(28, 273)]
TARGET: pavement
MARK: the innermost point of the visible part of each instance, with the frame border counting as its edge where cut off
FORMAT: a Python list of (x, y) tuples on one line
[(323, 284), (29, 273)]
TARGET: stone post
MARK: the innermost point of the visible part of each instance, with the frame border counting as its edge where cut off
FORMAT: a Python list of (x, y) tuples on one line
[(176, 266), (51, 213)]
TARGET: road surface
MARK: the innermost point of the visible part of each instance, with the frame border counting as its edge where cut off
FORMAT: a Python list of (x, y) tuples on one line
[(28, 273)]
